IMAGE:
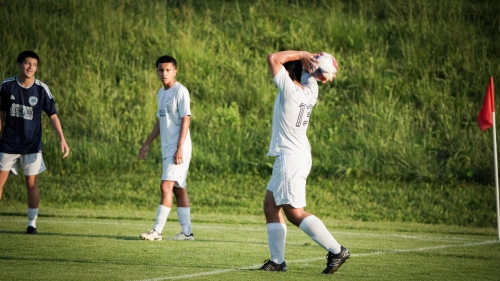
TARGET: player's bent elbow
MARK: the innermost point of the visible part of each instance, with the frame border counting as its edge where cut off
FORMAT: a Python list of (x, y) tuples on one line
[(270, 59)]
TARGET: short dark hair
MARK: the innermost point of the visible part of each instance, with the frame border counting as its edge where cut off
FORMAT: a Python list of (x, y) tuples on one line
[(166, 59), (27, 54), (294, 69)]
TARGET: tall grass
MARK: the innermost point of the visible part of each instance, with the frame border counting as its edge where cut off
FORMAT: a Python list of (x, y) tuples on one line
[(411, 82)]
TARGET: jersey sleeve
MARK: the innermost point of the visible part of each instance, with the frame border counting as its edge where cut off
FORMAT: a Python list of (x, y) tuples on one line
[(184, 106), (4, 99), (284, 83), (49, 105), (158, 104)]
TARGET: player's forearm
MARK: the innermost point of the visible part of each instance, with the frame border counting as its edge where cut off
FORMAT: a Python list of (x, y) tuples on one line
[(186, 121), (154, 134), (284, 56), (275, 61), (56, 124)]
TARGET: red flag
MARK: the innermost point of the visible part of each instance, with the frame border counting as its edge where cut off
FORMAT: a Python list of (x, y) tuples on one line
[(485, 119)]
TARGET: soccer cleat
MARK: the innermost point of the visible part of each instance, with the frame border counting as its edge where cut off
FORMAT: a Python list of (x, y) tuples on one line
[(181, 236), (272, 266), (151, 235), (31, 230), (334, 261)]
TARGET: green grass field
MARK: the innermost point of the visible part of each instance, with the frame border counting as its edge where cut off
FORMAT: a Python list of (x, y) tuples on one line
[(401, 174), (394, 137), (84, 245)]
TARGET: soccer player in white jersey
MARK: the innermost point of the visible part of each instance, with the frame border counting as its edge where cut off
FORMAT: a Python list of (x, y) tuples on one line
[(23, 98), (286, 189), (174, 115)]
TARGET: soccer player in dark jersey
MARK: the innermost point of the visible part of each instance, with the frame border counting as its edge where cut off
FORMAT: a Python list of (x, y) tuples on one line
[(23, 98)]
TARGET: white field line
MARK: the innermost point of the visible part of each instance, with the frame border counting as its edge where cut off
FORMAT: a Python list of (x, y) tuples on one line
[(236, 228), (221, 271)]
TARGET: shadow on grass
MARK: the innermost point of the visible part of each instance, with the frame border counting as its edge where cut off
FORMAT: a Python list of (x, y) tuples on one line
[(104, 262), (72, 235), (126, 238), (228, 241), (24, 214)]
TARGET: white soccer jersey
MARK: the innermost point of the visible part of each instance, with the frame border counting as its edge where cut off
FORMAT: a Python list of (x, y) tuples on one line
[(173, 104), (292, 109)]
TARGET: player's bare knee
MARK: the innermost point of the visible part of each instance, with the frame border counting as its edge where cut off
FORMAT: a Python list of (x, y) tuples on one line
[(270, 208), (291, 217), (165, 190), (295, 215), (179, 191), (31, 184)]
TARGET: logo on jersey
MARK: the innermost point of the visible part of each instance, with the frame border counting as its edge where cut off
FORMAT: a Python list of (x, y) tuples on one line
[(19, 110), (12, 97), (33, 100), (169, 102)]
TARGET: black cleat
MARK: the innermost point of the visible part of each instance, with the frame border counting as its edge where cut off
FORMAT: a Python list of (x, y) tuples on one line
[(31, 230), (334, 261), (272, 266)]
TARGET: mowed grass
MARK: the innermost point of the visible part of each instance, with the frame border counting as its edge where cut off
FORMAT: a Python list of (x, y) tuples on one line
[(83, 245)]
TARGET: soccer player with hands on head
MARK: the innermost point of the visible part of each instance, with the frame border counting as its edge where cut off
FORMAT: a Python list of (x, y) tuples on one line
[(173, 115), (286, 190), (23, 98)]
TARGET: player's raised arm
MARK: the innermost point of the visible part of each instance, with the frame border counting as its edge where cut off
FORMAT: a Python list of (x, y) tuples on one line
[(275, 61)]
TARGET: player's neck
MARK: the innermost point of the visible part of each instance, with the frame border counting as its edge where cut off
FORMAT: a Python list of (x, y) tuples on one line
[(25, 81), (169, 85)]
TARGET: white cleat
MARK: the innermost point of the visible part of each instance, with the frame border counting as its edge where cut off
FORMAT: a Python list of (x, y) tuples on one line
[(182, 236), (151, 235)]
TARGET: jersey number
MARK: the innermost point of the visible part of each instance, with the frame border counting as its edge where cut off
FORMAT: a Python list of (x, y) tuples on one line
[(304, 114)]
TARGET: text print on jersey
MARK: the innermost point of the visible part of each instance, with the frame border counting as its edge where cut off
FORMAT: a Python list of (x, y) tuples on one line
[(19, 110), (301, 120)]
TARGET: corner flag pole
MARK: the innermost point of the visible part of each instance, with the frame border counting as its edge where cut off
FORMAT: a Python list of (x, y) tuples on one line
[(496, 172), (486, 119)]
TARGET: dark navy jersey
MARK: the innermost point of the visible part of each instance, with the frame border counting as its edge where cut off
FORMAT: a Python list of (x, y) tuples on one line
[(22, 130)]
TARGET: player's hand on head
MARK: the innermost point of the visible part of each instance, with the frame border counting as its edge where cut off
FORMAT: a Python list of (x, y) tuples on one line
[(308, 61), (143, 152)]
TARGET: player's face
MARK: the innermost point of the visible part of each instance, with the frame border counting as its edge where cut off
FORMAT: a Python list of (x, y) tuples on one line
[(166, 72), (27, 68)]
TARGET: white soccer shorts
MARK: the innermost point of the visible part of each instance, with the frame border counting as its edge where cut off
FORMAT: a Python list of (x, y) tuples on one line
[(176, 173), (288, 182), (32, 164)]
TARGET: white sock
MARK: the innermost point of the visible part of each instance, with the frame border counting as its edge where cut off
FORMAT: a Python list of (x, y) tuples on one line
[(32, 216), (276, 236), (184, 214), (161, 218), (316, 229)]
